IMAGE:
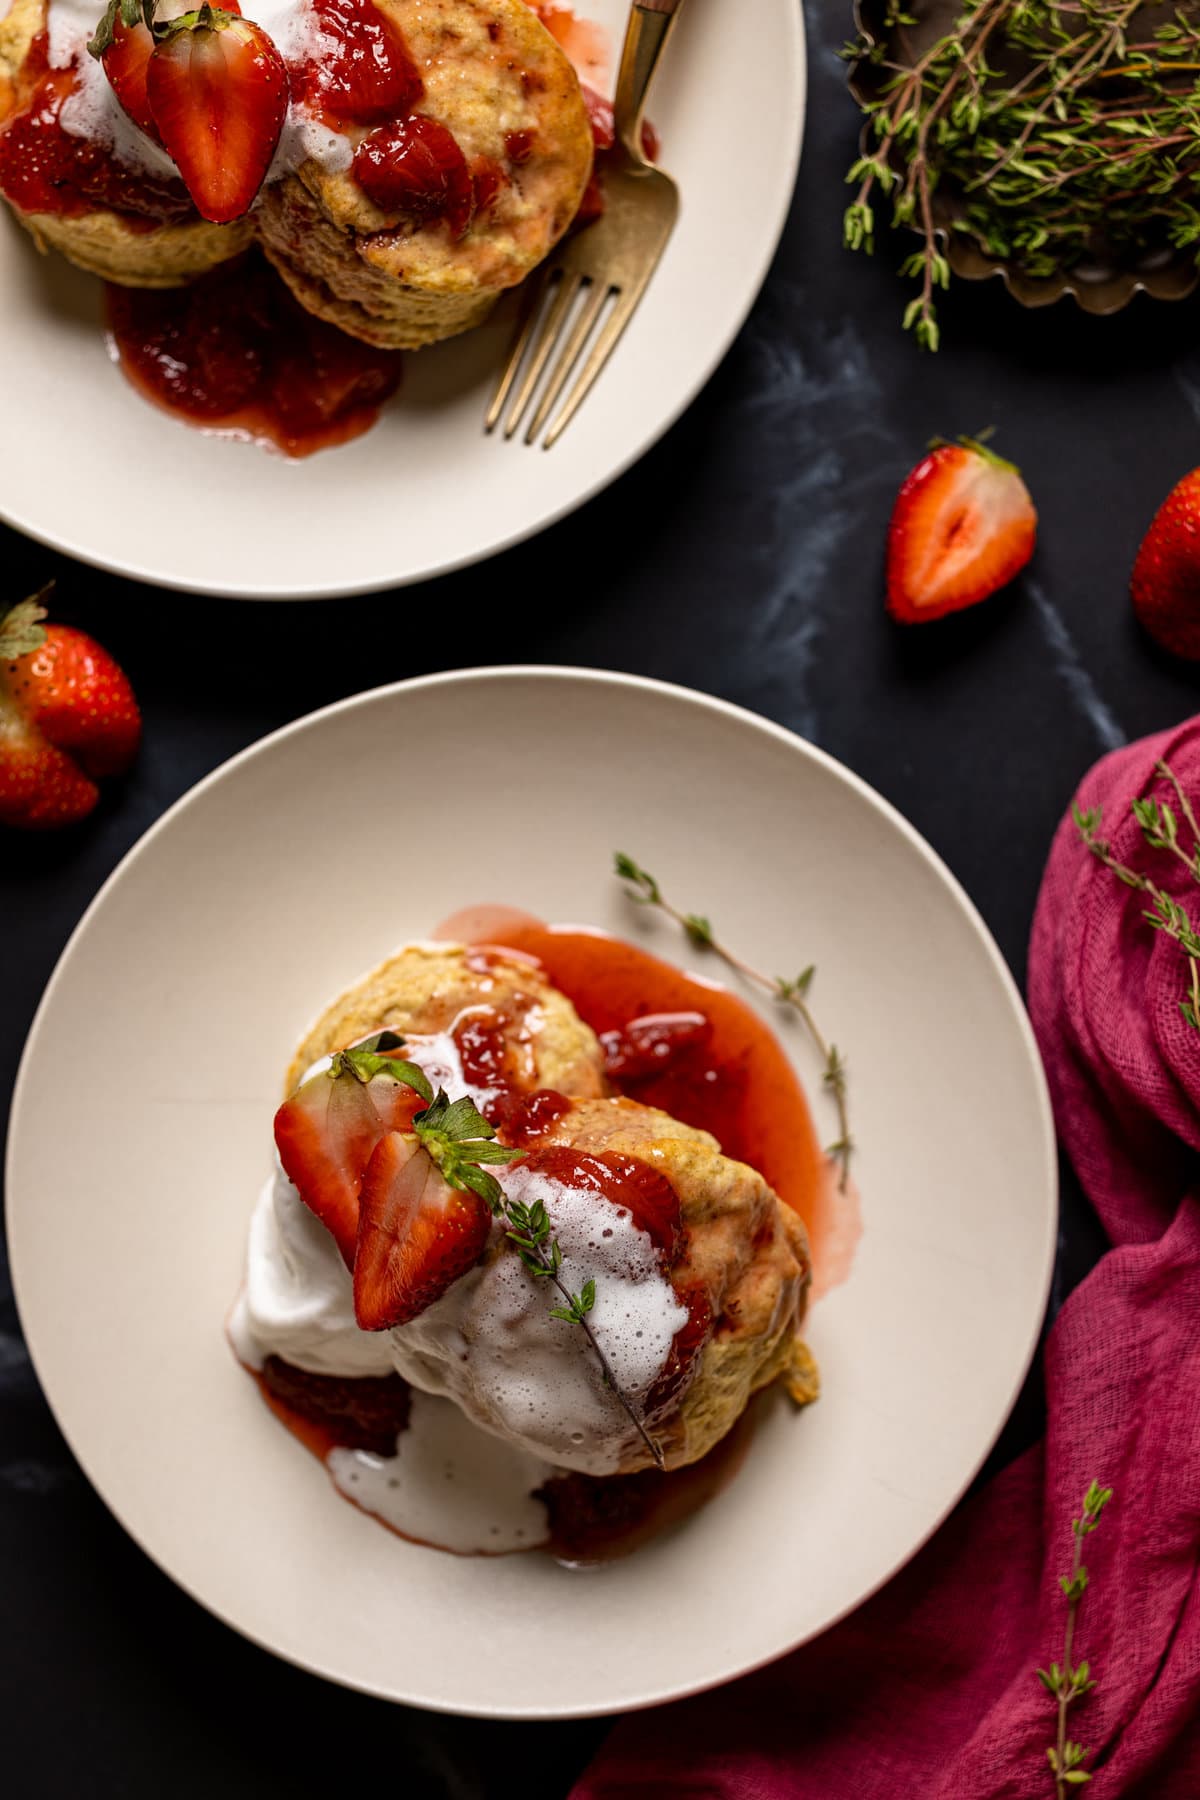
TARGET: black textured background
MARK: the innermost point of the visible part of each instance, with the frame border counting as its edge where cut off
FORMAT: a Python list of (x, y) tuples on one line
[(744, 558)]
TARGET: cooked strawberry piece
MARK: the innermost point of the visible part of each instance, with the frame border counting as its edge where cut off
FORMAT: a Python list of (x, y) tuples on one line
[(1166, 575), (125, 63), (365, 73), (415, 169), (649, 1045), (218, 92), (962, 527), (325, 1134), (416, 1234)]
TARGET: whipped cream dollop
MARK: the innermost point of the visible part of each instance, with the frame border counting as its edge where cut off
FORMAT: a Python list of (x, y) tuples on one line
[(93, 111), (490, 1343)]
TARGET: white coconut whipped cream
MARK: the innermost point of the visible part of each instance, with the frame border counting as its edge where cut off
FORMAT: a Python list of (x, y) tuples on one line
[(93, 110), (449, 1484), (489, 1344)]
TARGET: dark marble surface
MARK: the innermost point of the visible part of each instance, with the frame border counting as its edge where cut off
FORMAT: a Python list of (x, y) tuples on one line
[(745, 560)]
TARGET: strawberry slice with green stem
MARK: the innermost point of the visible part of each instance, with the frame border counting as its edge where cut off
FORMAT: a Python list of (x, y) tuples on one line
[(218, 92), (963, 525), (416, 1234), (325, 1133)]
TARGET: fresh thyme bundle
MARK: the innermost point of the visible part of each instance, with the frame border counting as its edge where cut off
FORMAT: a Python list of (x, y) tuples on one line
[(1052, 131)]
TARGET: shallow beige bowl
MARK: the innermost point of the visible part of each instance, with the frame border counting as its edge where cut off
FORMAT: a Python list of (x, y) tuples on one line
[(270, 887), (425, 491)]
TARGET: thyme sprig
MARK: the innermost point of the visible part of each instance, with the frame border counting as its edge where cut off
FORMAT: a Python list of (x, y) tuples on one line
[(1066, 1683), (462, 1144), (644, 889), (1160, 828), (1051, 130)]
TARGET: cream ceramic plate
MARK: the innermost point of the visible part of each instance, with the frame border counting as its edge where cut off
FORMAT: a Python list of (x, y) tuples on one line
[(425, 491), (303, 861)]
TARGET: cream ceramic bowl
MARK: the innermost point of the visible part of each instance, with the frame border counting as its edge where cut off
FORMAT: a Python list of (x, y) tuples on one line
[(266, 890)]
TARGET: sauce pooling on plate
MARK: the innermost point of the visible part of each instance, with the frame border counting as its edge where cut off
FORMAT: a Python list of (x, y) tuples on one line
[(235, 354)]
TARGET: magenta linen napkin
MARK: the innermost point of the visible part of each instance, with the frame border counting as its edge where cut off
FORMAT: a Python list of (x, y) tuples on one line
[(929, 1689)]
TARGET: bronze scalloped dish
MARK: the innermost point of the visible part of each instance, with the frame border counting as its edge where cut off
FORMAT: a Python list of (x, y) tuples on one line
[(1102, 280)]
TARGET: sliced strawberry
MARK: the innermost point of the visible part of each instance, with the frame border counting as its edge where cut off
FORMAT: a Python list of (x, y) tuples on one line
[(364, 73), (125, 63), (416, 1234), (1166, 576), (218, 92), (325, 1135), (963, 525), (415, 169)]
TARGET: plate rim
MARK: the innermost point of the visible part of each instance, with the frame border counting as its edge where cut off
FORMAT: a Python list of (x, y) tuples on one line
[(792, 20), (744, 716)]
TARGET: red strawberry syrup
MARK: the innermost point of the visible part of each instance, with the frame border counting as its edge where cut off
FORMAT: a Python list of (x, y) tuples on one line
[(235, 354)]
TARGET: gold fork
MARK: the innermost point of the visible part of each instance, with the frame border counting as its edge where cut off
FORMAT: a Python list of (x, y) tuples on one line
[(611, 261)]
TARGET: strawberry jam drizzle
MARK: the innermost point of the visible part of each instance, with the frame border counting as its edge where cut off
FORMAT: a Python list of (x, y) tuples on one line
[(233, 352), (45, 169), (697, 1052)]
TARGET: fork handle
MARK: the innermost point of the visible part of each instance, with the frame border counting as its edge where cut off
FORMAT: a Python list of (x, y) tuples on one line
[(649, 27)]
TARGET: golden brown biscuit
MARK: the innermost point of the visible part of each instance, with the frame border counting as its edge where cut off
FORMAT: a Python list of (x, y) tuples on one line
[(499, 82), (427, 988), (741, 1244), (102, 241)]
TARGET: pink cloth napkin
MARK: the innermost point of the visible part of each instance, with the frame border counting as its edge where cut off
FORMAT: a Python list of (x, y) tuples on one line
[(929, 1690)]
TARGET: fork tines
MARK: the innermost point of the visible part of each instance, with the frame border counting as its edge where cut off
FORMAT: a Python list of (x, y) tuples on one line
[(541, 326)]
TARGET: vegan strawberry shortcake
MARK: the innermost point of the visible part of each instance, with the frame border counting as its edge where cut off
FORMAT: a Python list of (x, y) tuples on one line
[(483, 1260), (402, 162)]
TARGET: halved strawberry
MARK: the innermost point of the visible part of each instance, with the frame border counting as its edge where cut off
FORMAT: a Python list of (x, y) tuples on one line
[(218, 93), (125, 62), (963, 525), (416, 1234), (325, 1134), (415, 168)]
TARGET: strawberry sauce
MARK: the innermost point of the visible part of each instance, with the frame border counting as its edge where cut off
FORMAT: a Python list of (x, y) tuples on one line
[(235, 354), (44, 169), (695, 1051)]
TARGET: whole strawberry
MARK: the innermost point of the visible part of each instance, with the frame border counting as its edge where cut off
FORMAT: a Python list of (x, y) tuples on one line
[(68, 718), (1166, 574)]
